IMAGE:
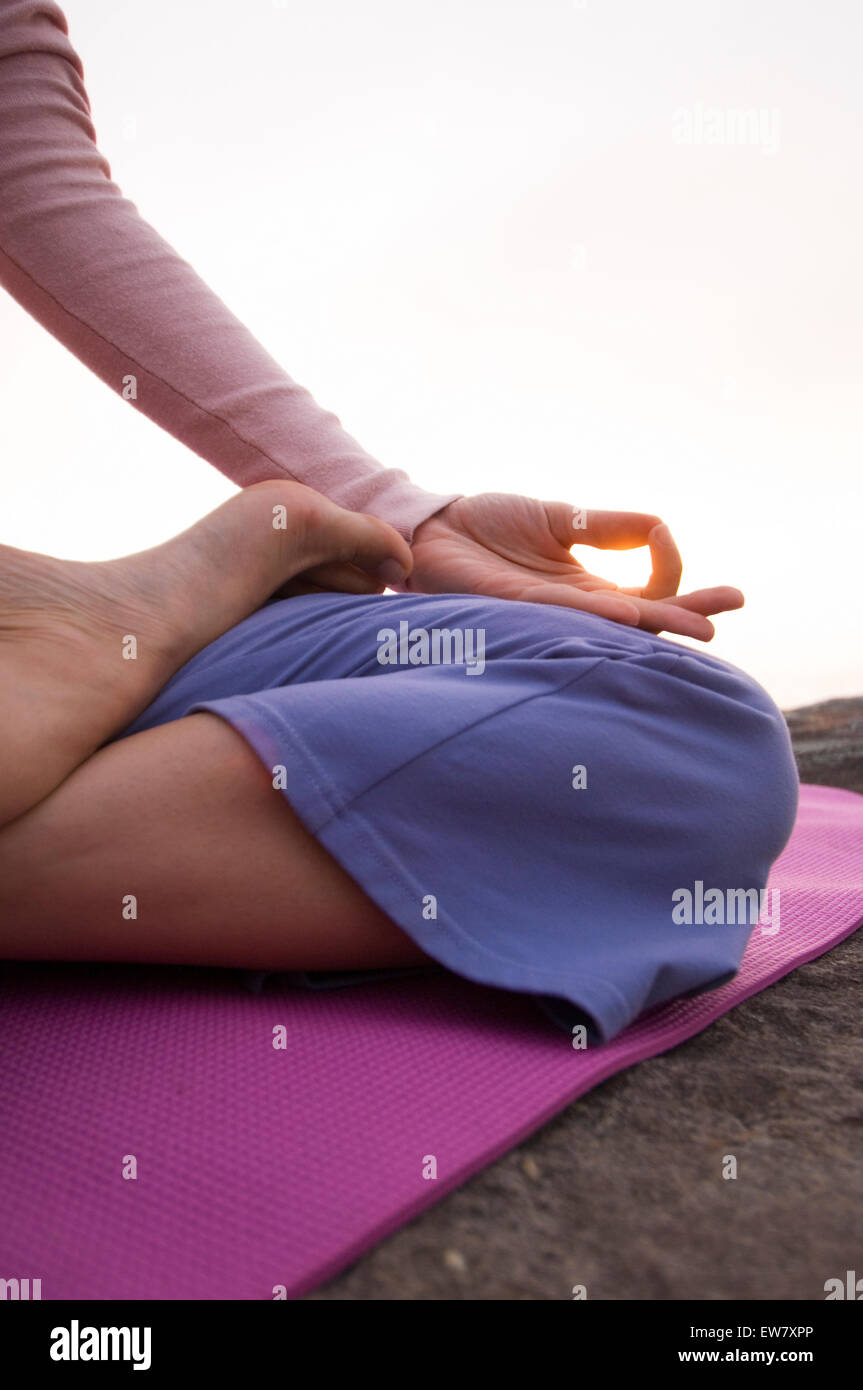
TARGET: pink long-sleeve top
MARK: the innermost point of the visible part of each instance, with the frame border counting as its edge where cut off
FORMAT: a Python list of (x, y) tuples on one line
[(76, 254)]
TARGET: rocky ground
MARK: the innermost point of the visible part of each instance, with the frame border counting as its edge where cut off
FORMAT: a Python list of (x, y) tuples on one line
[(621, 1191)]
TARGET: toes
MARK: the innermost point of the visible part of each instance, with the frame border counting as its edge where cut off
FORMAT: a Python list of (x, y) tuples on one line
[(378, 549), (317, 532), (333, 578)]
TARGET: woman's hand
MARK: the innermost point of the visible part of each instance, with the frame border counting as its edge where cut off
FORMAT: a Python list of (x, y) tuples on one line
[(519, 548)]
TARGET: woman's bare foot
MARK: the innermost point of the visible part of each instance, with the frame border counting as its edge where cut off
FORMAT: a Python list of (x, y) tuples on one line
[(85, 647)]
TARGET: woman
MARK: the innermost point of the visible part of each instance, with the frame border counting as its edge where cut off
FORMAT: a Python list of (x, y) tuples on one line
[(201, 778)]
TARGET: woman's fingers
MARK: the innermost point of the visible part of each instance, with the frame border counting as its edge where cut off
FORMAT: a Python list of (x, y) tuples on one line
[(666, 566), (613, 530), (668, 617), (604, 604), (685, 616), (628, 531), (721, 599), (593, 581), (605, 530), (621, 531)]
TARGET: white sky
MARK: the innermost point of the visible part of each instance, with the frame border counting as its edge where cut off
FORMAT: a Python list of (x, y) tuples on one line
[(469, 229)]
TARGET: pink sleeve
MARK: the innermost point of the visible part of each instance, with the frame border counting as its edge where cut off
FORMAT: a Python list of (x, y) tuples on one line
[(76, 254)]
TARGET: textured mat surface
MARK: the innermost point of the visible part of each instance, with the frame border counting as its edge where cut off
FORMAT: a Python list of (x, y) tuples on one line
[(259, 1167)]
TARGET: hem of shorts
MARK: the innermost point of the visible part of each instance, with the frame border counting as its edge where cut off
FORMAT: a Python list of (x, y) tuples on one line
[(382, 875)]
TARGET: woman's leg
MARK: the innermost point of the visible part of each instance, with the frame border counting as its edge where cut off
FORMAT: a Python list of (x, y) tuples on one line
[(171, 846), (84, 648)]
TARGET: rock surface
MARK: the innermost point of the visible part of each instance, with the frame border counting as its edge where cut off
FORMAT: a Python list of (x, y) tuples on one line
[(623, 1191)]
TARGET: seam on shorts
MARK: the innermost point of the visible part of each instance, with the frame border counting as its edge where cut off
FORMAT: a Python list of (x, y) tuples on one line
[(340, 805), (548, 982), (394, 870)]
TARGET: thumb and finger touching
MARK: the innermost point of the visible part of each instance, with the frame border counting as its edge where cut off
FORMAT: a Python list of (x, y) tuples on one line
[(655, 606)]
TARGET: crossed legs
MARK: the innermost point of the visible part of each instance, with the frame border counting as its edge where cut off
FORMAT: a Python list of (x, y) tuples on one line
[(184, 819), (170, 846)]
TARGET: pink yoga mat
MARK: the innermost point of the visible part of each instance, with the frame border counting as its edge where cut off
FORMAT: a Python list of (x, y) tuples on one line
[(259, 1167)]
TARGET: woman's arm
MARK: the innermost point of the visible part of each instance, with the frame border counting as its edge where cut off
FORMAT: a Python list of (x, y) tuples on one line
[(77, 255)]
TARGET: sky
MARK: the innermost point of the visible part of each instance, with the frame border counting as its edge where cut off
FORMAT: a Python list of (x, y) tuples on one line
[(595, 251)]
